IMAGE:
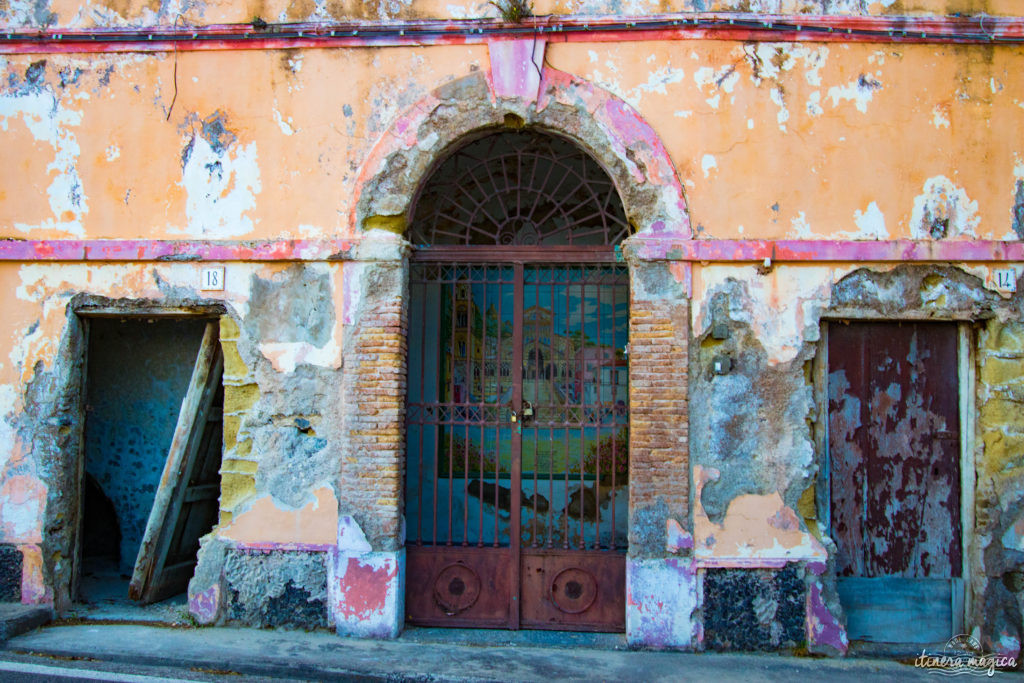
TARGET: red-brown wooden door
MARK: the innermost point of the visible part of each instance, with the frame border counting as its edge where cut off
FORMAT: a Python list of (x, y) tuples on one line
[(516, 469), (894, 478)]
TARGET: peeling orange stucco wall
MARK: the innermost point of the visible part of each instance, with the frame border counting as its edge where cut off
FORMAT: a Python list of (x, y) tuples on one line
[(894, 137)]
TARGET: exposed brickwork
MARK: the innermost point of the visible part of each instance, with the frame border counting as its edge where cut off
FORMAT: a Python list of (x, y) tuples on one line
[(659, 432), (374, 377)]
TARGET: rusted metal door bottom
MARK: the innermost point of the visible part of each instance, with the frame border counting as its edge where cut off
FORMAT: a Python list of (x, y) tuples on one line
[(459, 586), (473, 587), (573, 590)]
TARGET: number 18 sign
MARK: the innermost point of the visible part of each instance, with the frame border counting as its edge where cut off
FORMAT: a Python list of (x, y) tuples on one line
[(212, 278)]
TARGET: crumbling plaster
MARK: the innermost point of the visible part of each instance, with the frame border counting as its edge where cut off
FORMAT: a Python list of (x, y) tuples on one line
[(292, 462), (237, 150), (805, 119), (593, 118), (753, 449)]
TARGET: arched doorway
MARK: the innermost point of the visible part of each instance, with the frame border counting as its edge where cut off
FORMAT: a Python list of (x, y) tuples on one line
[(516, 480)]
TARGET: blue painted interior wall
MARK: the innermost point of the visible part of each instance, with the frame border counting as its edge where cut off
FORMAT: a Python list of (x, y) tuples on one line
[(138, 373)]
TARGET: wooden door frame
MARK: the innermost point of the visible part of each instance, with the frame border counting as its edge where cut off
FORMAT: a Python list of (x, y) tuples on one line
[(966, 370), (84, 312)]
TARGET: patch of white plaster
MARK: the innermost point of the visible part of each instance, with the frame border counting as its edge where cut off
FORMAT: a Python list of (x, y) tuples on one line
[(10, 405), (351, 537), (940, 118), (814, 59), (113, 152), (656, 82), (724, 79), (713, 101), (707, 164), (750, 124), (285, 126), (943, 210), (49, 121), (295, 62), (286, 356), (769, 61), (871, 223), (683, 113), (783, 307), (459, 12), (221, 189), (799, 227), (860, 92), (428, 142), (21, 515), (814, 104), (661, 599), (778, 97)]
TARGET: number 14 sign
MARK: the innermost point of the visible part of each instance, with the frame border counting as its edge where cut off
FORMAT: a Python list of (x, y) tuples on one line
[(1005, 279)]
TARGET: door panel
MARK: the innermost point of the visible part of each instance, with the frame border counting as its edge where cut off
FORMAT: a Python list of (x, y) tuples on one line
[(573, 589), (894, 462), (456, 586), (517, 420)]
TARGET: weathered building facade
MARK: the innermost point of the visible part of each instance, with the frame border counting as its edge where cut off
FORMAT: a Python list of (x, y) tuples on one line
[(700, 321)]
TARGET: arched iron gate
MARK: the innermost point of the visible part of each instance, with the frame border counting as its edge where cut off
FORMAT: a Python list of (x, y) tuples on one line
[(517, 411)]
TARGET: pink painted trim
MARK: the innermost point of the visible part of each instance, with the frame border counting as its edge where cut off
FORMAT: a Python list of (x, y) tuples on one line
[(621, 124), (788, 251), (516, 67), (173, 250), (268, 547), (745, 562), (690, 26)]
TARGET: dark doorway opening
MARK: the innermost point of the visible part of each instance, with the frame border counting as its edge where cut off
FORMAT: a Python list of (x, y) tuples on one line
[(145, 378)]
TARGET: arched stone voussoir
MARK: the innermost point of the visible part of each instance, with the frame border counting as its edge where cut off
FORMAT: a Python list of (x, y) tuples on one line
[(609, 129)]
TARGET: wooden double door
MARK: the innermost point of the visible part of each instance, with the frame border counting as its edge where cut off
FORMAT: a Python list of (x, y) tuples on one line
[(516, 494)]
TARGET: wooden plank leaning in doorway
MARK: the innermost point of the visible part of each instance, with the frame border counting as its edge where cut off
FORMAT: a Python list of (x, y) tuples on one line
[(188, 491)]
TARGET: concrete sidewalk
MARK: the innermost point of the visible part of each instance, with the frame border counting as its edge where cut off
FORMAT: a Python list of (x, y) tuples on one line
[(426, 654)]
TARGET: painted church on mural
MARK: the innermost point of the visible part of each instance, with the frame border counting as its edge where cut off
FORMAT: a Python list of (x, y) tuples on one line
[(697, 321)]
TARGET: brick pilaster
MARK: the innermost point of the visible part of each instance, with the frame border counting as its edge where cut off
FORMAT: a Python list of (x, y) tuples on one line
[(659, 420), (374, 377)]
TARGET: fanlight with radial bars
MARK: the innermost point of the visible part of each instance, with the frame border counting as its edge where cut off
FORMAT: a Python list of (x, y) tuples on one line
[(519, 189)]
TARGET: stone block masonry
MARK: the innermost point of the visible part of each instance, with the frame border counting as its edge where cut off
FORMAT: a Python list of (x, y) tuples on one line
[(1000, 473), (239, 464)]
